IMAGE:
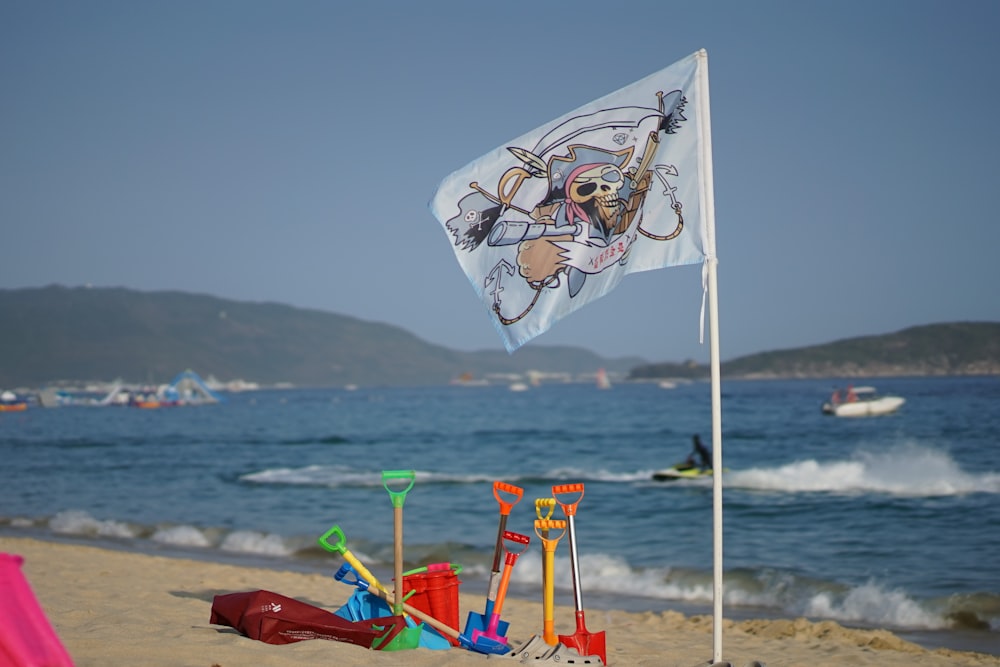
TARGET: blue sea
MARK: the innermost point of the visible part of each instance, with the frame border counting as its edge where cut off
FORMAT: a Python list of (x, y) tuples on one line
[(890, 522)]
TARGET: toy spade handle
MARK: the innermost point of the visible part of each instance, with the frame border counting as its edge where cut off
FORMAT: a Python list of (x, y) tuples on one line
[(340, 546), (510, 489), (541, 504), (517, 538), (343, 575), (398, 495), (509, 561), (542, 528), (568, 508)]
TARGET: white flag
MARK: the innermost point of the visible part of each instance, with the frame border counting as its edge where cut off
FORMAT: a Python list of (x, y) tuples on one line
[(556, 218)]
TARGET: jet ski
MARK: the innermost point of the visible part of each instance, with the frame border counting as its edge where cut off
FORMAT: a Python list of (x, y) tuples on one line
[(683, 470)]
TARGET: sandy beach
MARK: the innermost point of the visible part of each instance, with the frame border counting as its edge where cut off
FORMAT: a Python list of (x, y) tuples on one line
[(117, 608)]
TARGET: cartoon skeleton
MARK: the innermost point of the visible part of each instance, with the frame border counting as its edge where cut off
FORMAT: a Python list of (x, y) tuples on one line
[(590, 211)]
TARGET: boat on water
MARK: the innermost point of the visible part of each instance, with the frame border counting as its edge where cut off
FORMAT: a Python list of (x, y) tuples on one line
[(468, 380), (9, 402), (603, 382), (683, 470), (861, 402), (698, 464)]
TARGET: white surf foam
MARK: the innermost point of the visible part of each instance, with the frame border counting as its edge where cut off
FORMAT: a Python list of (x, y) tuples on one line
[(77, 522), (904, 470)]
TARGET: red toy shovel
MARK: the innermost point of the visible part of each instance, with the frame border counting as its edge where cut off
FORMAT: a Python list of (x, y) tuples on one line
[(586, 643)]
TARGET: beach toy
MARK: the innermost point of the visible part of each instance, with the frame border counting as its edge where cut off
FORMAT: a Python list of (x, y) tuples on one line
[(363, 606), (404, 480), (548, 648), (398, 497), (484, 645), (509, 560), (433, 589), (544, 507), (480, 621), (543, 528), (586, 643), (537, 650), (408, 637)]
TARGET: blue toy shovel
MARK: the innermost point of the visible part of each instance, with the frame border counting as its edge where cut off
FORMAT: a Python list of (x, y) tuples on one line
[(478, 622)]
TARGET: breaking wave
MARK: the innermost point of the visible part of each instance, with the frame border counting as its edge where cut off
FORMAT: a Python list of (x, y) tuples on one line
[(609, 577), (903, 470)]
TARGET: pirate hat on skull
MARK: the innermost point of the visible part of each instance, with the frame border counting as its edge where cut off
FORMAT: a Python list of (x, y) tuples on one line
[(563, 169)]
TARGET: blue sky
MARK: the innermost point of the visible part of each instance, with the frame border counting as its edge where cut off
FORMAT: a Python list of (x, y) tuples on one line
[(286, 152)]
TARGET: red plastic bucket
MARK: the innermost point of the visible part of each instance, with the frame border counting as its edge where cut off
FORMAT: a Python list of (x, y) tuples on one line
[(435, 592)]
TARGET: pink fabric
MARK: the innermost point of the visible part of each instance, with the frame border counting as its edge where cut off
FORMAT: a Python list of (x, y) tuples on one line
[(26, 637), (574, 211)]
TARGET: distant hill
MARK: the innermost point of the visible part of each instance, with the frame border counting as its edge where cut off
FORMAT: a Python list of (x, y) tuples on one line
[(961, 348), (58, 333)]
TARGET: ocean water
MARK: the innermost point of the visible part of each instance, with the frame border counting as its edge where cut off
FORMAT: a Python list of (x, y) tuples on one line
[(889, 522)]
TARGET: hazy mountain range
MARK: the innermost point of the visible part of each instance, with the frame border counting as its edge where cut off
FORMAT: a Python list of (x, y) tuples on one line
[(56, 333), (77, 333), (957, 348)]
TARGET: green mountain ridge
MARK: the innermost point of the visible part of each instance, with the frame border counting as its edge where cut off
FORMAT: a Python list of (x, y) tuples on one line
[(959, 348), (55, 333)]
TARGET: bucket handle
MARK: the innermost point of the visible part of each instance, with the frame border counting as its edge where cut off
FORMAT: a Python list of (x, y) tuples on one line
[(436, 567)]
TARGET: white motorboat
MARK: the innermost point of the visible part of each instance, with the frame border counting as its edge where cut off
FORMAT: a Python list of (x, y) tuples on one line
[(861, 402)]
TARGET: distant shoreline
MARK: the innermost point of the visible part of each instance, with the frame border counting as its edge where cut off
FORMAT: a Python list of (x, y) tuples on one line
[(97, 386)]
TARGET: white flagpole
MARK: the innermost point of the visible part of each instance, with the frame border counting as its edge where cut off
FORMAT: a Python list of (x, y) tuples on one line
[(711, 261), (713, 307)]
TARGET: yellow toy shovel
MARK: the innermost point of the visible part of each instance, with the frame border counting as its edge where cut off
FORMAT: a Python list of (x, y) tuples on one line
[(544, 528)]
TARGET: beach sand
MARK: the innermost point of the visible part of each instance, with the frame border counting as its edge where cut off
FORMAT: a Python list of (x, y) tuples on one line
[(114, 608)]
